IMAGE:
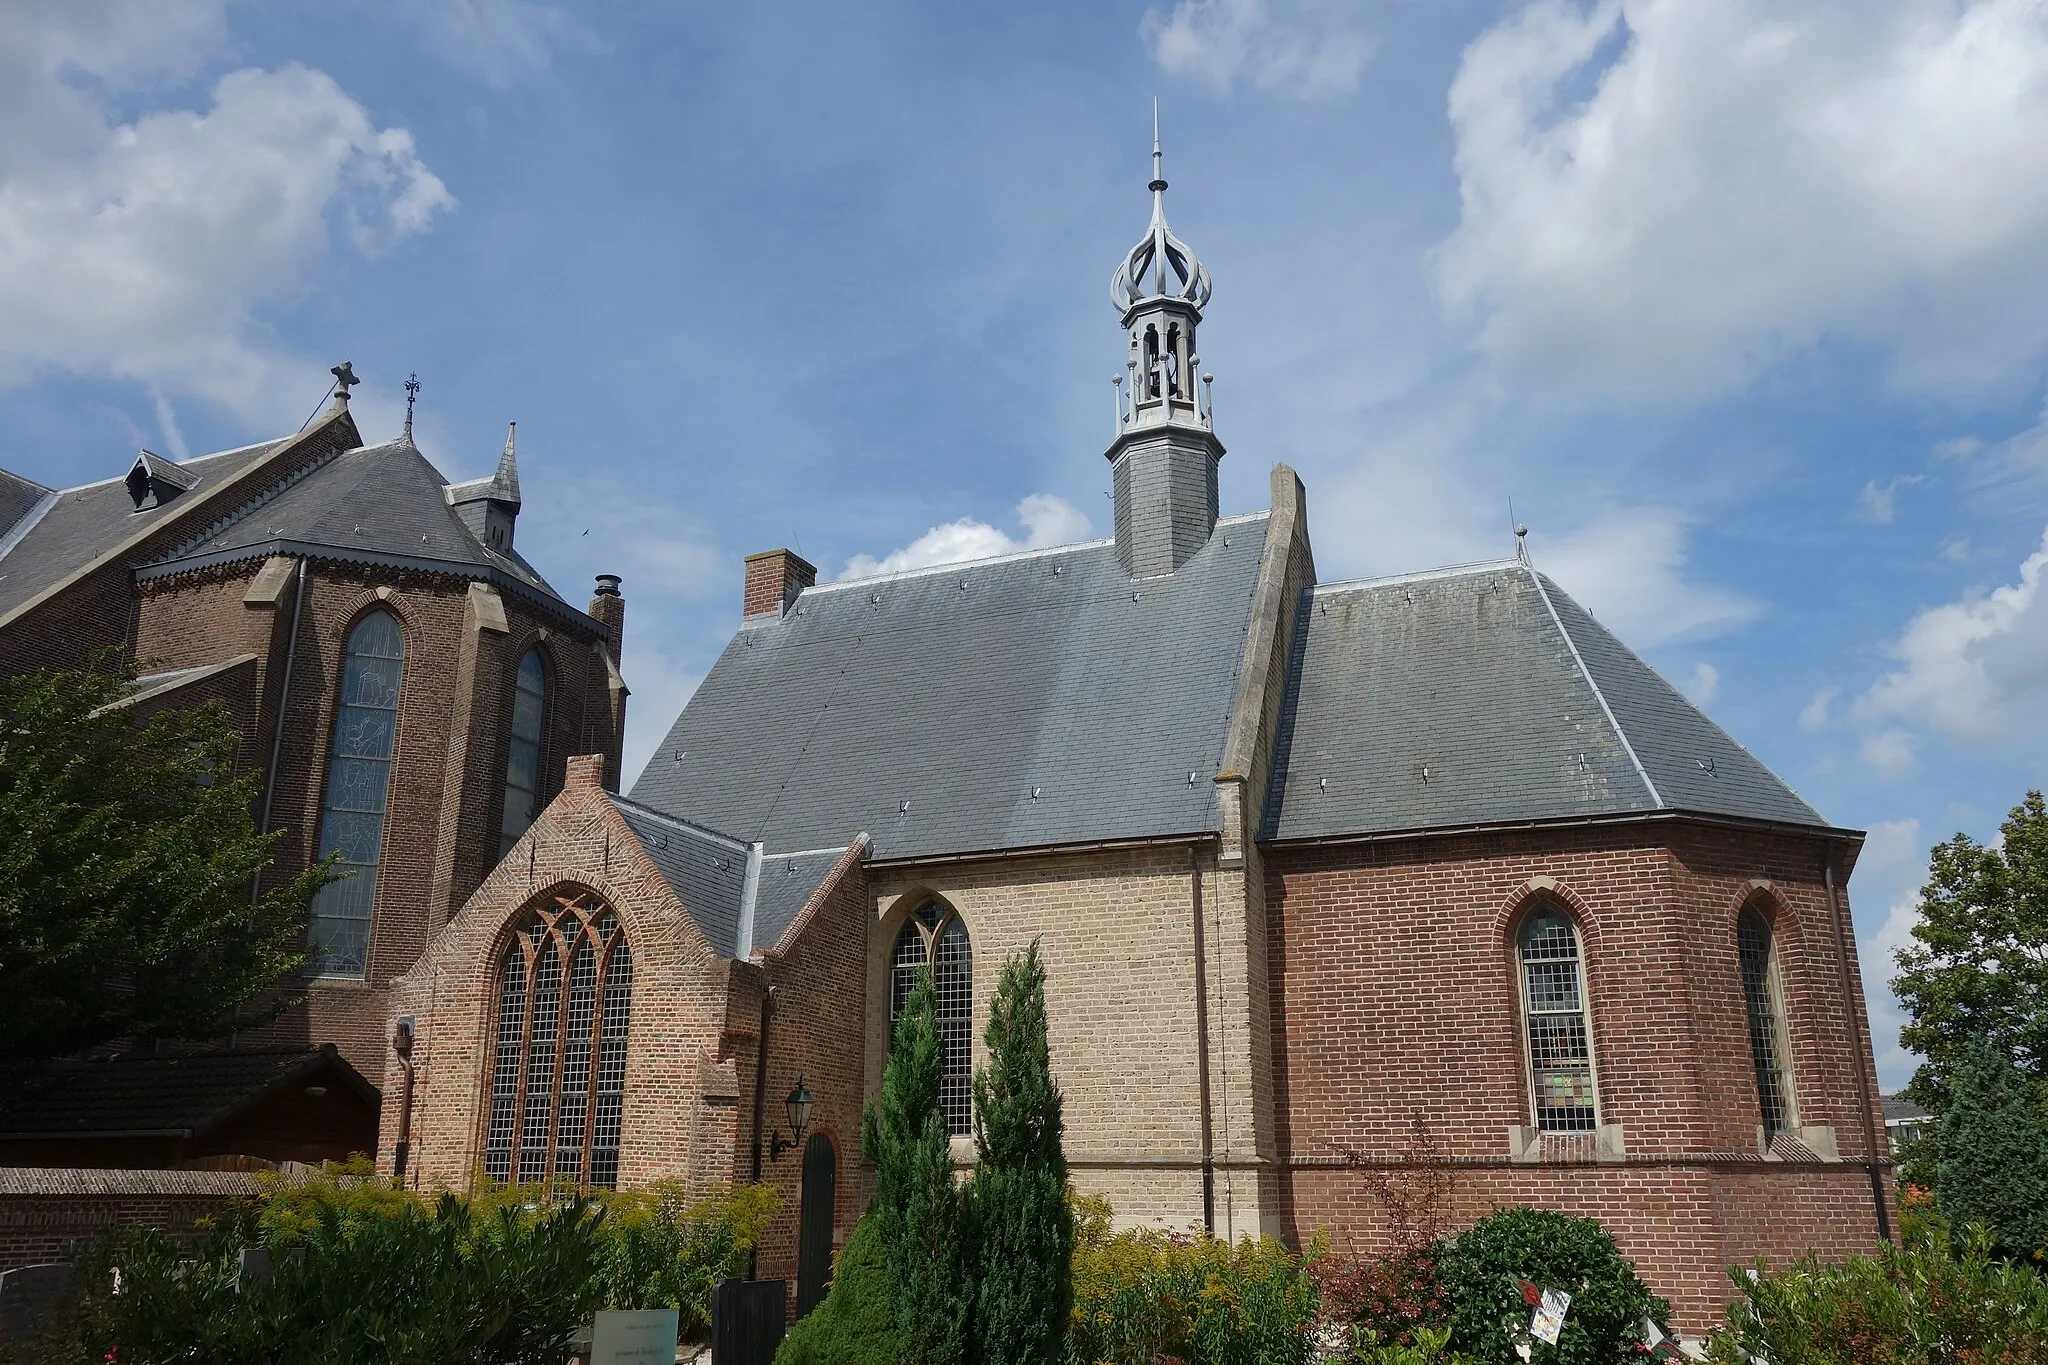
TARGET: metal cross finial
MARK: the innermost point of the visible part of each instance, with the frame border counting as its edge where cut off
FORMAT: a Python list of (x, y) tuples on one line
[(412, 391), (344, 378)]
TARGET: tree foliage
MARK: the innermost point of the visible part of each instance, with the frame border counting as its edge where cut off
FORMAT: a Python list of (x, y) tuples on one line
[(919, 1213), (1992, 1162), (127, 857), (1023, 1225), (1479, 1270), (1978, 970), (854, 1325)]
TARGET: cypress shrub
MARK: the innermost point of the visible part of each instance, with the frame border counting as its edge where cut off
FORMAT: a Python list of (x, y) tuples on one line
[(1993, 1145), (1024, 1228), (854, 1325), (918, 1211)]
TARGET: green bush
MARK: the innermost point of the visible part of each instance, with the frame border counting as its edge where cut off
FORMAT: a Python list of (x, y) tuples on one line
[(854, 1324), (363, 1271), (1991, 1145), (1354, 1345), (1145, 1295), (1931, 1302), (1478, 1271)]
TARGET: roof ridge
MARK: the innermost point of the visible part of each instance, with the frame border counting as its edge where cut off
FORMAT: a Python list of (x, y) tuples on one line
[(1417, 575), (1569, 643), (662, 816)]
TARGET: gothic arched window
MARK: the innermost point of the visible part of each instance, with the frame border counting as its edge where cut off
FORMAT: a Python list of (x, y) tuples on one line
[(558, 1065), (522, 751), (1560, 1038), (936, 935), (1763, 993), (358, 781)]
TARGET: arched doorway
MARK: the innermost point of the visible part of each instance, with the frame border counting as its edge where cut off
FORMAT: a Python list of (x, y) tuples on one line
[(814, 1222)]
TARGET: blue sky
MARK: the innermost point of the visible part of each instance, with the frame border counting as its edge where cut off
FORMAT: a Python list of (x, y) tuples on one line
[(1743, 304)]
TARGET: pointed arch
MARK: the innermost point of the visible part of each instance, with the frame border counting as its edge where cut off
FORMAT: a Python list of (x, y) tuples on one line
[(1550, 971), (934, 934), (361, 751), (1763, 997), (525, 749)]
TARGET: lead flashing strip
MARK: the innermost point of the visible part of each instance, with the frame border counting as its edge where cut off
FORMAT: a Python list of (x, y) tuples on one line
[(1598, 695), (28, 522), (750, 890)]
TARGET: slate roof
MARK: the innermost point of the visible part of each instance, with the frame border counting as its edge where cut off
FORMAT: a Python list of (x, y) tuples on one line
[(1899, 1109), (1026, 700), (708, 872), (81, 524), (18, 497), (382, 504), (163, 1096), (1486, 695)]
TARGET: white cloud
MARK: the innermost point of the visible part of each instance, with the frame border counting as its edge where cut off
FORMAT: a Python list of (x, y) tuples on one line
[(1704, 684), (1890, 871), (497, 41), (1956, 549), (1814, 715), (1309, 48), (1047, 520), (1628, 569), (1664, 198), (1889, 752), (144, 249), (1879, 506), (1975, 669)]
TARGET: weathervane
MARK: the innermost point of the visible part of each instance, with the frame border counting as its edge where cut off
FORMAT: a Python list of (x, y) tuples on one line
[(412, 391)]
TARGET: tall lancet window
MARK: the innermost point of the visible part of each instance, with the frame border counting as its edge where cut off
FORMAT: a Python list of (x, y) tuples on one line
[(1560, 1039), (936, 935), (523, 751), (1764, 994), (558, 1066), (358, 783)]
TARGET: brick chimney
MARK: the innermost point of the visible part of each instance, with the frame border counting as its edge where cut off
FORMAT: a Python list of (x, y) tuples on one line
[(774, 578), (607, 606)]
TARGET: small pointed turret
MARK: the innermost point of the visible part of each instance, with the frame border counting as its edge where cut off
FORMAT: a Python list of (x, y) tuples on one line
[(490, 507), (507, 480), (1165, 451)]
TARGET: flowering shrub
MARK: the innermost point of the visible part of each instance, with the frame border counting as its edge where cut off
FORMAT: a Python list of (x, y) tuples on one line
[(1931, 1301), (1144, 1296)]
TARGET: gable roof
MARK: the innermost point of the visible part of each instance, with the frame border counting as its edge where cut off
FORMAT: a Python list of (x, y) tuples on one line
[(152, 1096), (740, 896), (1027, 700), (382, 504), (1485, 695), (77, 525)]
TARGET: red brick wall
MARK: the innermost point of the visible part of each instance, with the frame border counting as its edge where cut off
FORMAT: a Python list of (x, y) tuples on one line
[(42, 1212), (1396, 1004)]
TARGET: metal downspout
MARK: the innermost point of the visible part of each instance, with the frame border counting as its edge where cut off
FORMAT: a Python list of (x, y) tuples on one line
[(1870, 1130), (1202, 1044)]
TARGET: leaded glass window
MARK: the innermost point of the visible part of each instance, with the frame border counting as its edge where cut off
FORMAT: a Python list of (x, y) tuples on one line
[(558, 1068), (358, 782), (1560, 1037), (936, 935), (1764, 997), (522, 752)]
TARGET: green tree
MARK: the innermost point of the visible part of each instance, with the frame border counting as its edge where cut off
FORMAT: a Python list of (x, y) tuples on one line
[(1024, 1228), (918, 1210), (1978, 971), (1992, 1166), (127, 856)]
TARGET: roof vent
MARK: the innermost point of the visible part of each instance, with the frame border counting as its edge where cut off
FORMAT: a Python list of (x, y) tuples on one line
[(153, 481)]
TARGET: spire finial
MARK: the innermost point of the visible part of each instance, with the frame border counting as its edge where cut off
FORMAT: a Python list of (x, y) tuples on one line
[(344, 380), (412, 391), (1158, 185), (508, 465)]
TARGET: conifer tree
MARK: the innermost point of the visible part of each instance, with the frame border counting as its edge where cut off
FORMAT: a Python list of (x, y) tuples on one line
[(920, 1215), (1993, 1144), (1024, 1228)]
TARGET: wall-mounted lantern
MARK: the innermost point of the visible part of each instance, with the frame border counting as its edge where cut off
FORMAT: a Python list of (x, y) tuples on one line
[(798, 1108)]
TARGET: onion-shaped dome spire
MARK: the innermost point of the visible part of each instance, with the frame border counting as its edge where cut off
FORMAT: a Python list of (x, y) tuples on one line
[(1161, 265)]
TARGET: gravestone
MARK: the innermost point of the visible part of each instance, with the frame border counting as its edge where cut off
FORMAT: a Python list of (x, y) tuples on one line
[(638, 1336)]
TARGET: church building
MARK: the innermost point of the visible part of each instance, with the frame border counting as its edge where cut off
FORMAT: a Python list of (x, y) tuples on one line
[(1334, 881), (405, 683)]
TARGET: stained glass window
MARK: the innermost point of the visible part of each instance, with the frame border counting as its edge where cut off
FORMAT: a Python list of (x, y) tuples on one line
[(936, 935), (358, 781), (1560, 1038), (558, 1069), (1763, 995), (522, 752)]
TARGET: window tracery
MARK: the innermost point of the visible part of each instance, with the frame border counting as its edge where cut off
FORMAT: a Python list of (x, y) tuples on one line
[(936, 935), (523, 752), (558, 1068), (1763, 996), (358, 784)]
